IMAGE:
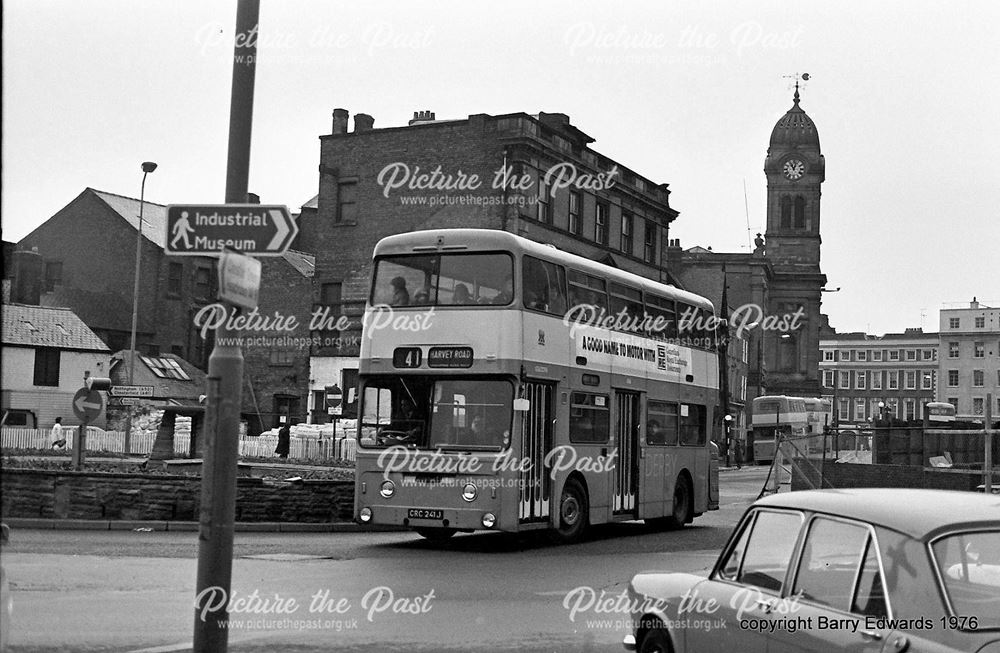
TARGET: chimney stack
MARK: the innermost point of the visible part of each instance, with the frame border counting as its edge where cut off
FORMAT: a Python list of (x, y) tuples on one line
[(974, 303), (340, 121), (363, 122), (422, 116)]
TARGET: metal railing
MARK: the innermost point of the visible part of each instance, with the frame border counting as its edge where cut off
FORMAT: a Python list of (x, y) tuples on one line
[(342, 448)]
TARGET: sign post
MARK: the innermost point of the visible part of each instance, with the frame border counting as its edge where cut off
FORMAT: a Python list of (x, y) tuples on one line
[(225, 365), (988, 439), (87, 406), (210, 229)]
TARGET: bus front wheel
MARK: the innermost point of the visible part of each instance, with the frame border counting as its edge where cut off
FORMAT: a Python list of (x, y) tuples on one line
[(573, 512), (435, 534), (681, 513)]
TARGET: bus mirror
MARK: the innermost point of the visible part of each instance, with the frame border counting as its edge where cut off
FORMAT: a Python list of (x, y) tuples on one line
[(522, 405)]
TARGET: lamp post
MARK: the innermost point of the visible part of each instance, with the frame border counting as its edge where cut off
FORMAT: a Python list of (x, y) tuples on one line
[(727, 425), (147, 167)]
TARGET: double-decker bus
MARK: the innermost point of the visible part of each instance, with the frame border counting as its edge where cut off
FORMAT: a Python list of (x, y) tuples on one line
[(778, 415), (507, 385)]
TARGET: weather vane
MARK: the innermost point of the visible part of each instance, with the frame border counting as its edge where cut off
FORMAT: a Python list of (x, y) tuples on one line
[(804, 77)]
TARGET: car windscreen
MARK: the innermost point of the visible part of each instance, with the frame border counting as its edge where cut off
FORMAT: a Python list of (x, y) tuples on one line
[(969, 567)]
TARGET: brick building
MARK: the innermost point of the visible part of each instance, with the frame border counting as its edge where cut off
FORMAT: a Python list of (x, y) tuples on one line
[(969, 359), (500, 172), (874, 377), (87, 252)]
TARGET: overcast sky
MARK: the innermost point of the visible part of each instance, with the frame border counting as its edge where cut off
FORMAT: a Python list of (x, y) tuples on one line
[(904, 95)]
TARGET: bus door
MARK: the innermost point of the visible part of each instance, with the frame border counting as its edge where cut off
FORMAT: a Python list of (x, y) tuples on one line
[(535, 444), (626, 434)]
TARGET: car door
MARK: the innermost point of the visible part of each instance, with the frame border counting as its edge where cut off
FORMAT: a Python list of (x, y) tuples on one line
[(837, 592), (731, 610)]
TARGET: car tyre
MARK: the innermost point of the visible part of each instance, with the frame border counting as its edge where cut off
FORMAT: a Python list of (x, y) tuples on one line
[(573, 513), (655, 641), (435, 534), (681, 512)]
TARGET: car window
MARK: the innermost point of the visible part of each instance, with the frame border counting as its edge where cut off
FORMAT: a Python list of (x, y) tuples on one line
[(769, 549), (869, 597), (829, 564), (969, 566), (731, 567)]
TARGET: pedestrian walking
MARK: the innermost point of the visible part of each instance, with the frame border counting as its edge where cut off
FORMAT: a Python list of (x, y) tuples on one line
[(284, 441), (58, 439)]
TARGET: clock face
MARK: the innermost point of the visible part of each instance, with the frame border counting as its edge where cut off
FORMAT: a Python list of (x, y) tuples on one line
[(794, 169)]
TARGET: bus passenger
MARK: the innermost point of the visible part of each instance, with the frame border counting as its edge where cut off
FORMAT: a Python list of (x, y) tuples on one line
[(505, 295), (400, 295), (422, 297), (461, 295)]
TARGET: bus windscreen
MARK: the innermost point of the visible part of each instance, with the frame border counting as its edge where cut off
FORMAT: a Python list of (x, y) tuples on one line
[(444, 280)]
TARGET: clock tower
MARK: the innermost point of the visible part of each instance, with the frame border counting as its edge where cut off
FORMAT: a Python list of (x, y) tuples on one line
[(795, 170)]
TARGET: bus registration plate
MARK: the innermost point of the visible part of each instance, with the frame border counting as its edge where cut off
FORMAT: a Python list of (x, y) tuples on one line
[(425, 513)]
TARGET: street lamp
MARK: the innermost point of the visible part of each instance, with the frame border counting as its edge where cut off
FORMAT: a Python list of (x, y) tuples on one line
[(727, 423), (147, 167)]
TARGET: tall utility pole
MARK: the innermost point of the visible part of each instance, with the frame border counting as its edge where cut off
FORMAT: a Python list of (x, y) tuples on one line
[(225, 376)]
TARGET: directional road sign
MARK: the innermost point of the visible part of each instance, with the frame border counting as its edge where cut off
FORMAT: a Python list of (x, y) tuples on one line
[(207, 229), (125, 401), (239, 279), (131, 391), (87, 404)]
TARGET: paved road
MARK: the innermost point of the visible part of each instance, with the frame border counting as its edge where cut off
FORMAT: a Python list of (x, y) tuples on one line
[(133, 590)]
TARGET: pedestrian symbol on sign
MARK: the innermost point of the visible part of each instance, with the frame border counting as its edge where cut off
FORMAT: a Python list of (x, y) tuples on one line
[(181, 230)]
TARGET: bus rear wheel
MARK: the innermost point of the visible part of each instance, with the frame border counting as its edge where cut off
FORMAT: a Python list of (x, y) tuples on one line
[(573, 512), (435, 534), (681, 512)]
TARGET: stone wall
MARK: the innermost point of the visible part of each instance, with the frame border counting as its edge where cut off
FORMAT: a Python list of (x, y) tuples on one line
[(82, 495)]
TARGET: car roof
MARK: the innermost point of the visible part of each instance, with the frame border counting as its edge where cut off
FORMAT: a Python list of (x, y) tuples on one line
[(918, 513)]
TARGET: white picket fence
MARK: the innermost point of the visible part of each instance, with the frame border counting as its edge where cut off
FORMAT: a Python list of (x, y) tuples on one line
[(343, 447)]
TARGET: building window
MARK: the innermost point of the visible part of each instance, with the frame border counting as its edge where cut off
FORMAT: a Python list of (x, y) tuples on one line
[(979, 350), (203, 283), (649, 243), (927, 382), (862, 381), (786, 212), (894, 354), (952, 350), (911, 354), (347, 202), (800, 212), (174, 276), (626, 245), (845, 380), (978, 378), (928, 354), (911, 409), (544, 214), (282, 357), (977, 405), (46, 367), (911, 380), (877, 355), (845, 355), (952, 378), (601, 223), (859, 409), (980, 322), (998, 382), (827, 378), (893, 379), (954, 322), (575, 224), (876, 380), (954, 402), (844, 410), (827, 355), (53, 275), (862, 355)]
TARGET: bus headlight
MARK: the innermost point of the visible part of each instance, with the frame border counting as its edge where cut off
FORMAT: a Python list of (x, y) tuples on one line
[(489, 520), (365, 515), (469, 492), (387, 489)]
